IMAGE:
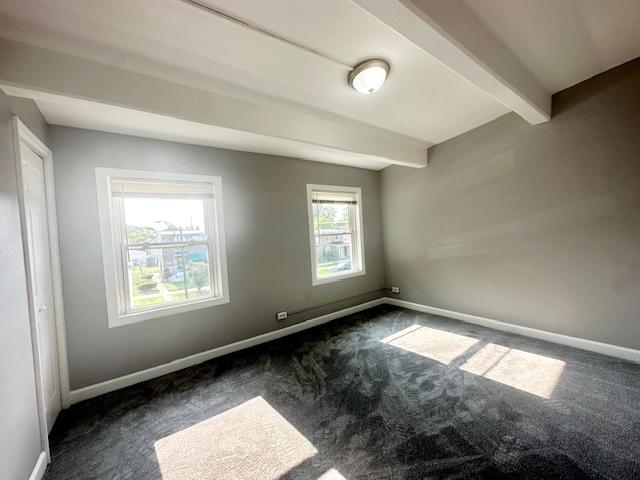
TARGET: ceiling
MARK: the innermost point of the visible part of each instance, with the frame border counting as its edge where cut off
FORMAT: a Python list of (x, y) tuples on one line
[(426, 99), (422, 98), (564, 42)]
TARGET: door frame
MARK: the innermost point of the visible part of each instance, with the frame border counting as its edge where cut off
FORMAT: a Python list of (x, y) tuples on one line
[(22, 134)]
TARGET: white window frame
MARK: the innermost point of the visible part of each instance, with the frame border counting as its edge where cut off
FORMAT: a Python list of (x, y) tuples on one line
[(112, 254), (315, 280)]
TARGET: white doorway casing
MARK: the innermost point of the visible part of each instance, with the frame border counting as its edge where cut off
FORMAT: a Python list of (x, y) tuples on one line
[(42, 264)]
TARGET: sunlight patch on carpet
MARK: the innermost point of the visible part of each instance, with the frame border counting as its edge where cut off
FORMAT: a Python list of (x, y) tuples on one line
[(332, 474), (525, 371), (247, 442), (438, 345)]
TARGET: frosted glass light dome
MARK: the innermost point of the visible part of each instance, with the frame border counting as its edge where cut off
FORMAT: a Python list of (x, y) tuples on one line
[(367, 77)]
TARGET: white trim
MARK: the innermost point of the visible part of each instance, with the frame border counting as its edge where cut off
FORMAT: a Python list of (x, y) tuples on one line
[(359, 231), (581, 343), (22, 134), (56, 269), (91, 391), (112, 273), (144, 315), (336, 277), (41, 466)]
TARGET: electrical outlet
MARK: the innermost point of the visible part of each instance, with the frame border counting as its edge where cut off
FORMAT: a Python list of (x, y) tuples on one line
[(281, 315), (395, 289)]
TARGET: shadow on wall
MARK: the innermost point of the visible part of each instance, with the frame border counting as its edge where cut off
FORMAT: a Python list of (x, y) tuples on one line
[(510, 217), (473, 210), (482, 239), (502, 182)]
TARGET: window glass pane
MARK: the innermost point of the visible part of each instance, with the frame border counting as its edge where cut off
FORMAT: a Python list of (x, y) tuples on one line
[(333, 254), (168, 275), (329, 218), (164, 220)]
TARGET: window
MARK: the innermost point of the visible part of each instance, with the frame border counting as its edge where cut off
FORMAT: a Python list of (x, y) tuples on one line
[(335, 226), (162, 243)]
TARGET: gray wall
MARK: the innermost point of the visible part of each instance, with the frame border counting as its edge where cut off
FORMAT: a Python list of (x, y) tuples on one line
[(267, 248), (532, 225), (19, 428)]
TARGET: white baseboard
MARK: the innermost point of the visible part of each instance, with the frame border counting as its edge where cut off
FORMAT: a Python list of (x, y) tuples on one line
[(581, 343), (91, 391), (143, 375), (41, 466)]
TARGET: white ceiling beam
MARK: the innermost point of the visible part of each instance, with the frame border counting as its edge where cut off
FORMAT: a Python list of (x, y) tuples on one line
[(452, 33), (35, 69)]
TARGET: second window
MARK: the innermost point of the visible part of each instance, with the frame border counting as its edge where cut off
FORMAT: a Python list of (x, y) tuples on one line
[(335, 225)]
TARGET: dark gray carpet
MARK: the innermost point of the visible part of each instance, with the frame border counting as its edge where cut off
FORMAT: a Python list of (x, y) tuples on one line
[(364, 409)]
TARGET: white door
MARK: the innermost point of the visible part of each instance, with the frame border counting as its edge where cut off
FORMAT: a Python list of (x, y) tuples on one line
[(41, 278)]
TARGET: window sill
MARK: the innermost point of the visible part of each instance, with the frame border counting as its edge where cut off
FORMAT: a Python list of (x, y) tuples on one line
[(136, 317), (337, 277)]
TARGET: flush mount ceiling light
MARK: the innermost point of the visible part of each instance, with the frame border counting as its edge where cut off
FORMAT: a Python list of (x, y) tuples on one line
[(368, 76)]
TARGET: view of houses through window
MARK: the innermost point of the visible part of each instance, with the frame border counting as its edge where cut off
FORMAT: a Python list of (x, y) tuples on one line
[(332, 224), (336, 231), (167, 250)]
